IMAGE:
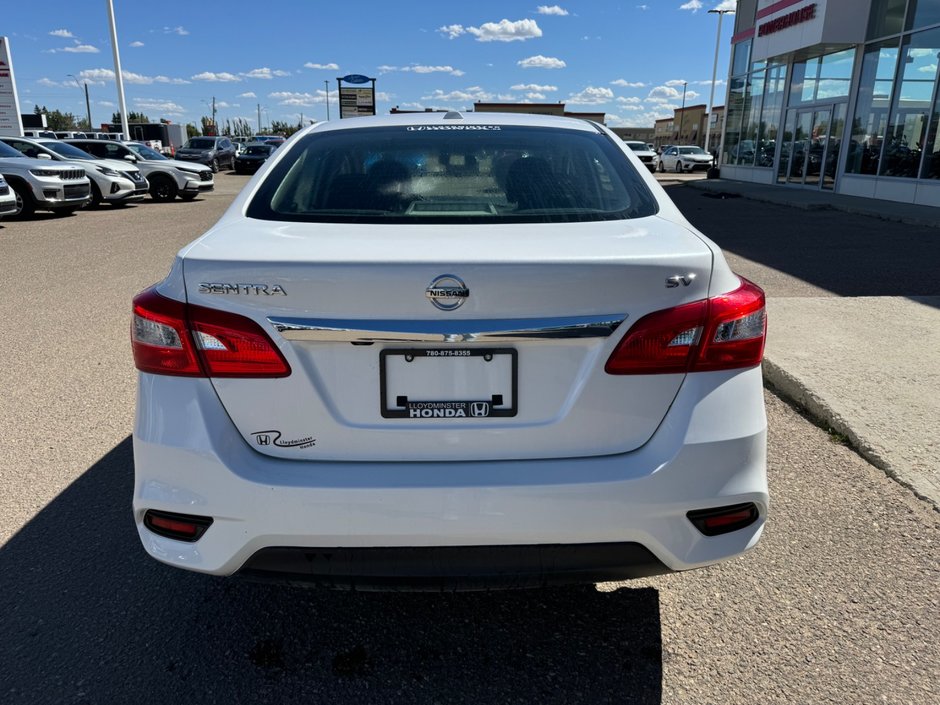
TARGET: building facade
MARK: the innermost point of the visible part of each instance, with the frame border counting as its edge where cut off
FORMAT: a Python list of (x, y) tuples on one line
[(837, 95)]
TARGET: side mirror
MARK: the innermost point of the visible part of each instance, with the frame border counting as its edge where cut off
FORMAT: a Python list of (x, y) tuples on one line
[(43, 155), (130, 158)]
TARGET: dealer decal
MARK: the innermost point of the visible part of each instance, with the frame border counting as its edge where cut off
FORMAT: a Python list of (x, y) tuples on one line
[(273, 438)]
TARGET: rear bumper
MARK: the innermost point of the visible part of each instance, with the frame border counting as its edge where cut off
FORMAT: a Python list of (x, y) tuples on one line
[(453, 567), (189, 459)]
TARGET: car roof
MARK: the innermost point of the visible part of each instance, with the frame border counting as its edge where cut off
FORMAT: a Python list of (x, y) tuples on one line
[(454, 120)]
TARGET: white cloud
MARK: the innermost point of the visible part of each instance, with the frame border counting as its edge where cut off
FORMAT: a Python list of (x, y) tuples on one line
[(79, 49), (533, 87), (452, 30), (693, 5), (415, 68), (536, 96), (661, 94), (163, 106), (931, 69), (181, 31), (249, 94), (64, 33), (106, 104), (48, 83), (591, 96), (676, 82), (629, 101), (506, 31), (465, 97), (553, 10), (265, 73), (100, 75), (727, 5), (627, 84), (300, 100), (541, 62), (137, 44), (223, 77), (647, 7), (325, 67), (502, 31)]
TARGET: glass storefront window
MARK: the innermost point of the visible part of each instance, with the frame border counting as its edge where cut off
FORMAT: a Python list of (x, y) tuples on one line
[(871, 113), (822, 77), (910, 108), (923, 13), (735, 112), (741, 59), (750, 122), (887, 18), (770, 116)]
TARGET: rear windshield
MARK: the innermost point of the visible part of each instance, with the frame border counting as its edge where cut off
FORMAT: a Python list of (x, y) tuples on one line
[(200, 144), (431, 174), (261, 149)]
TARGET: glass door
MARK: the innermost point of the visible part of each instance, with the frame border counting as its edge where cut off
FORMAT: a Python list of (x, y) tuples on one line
[(809, 155)]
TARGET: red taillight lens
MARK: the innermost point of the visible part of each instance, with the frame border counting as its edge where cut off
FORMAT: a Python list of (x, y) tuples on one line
[(172, 338), (722, 333), (182, 527), (723, 520)]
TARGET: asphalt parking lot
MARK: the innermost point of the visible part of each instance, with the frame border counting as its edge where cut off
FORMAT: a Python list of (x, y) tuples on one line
[(837, 604)]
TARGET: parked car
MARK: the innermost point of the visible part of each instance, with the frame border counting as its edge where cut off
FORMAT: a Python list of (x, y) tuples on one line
[(253, 156), (7, 199), (680, 159), (214, 152), (41, 185), (39, 133), (168, 178), (115, 182), (367, 374), (643, 152)]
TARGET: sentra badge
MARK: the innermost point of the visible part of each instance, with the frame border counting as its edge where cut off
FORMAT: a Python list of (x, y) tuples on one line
[(241, 289)]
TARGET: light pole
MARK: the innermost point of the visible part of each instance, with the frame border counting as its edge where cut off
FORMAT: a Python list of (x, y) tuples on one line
[(713, 172), (682, 115), (87, 102), (327, 84)]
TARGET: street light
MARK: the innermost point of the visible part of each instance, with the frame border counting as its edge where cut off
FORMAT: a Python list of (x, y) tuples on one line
[(87, 102), (682, 114), (713, 172), (327, 84)]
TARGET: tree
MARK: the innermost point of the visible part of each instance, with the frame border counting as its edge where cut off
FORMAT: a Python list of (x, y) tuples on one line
[(192, 130), (56, 120), (131, 117)]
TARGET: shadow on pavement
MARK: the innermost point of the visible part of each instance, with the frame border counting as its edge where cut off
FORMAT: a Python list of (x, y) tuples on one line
[(87, 617), (846, 254)]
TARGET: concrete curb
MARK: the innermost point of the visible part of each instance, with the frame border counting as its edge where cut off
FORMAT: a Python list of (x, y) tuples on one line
[(794, 391)]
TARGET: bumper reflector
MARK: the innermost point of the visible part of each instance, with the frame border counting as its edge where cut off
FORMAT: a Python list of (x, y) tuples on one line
[(181, 527), (723, 520)]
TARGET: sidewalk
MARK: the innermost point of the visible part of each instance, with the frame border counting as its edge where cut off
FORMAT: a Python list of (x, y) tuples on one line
[(866, 367)]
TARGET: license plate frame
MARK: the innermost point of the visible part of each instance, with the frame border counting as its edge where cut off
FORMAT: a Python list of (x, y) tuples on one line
[(479, 408)]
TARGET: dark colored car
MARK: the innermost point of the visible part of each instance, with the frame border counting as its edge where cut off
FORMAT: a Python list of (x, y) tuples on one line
[(253, 156), (214, 152)]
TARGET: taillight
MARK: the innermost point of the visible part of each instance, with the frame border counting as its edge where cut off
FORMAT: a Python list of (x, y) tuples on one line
[(721, 333), (172, 338)]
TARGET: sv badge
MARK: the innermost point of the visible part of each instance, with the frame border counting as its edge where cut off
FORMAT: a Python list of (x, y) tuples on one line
[(683, 279)]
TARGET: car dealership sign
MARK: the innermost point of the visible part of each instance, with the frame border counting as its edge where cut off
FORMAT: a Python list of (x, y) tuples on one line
[(10, 121)]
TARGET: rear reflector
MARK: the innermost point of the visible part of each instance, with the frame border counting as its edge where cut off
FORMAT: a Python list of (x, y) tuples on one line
[(172, 338), (182, 527), (721, 333), (722, 520)]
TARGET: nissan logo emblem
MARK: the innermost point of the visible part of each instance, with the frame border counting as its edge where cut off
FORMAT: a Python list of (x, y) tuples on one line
[(447, 292)]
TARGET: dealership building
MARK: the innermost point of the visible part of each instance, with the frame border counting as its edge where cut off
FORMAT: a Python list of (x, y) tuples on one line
[(838, 95)]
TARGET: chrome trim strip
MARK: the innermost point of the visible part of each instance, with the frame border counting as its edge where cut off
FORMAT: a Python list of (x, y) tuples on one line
[(511, 330)]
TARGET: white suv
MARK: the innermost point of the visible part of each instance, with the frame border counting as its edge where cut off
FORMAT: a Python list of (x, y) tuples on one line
[(643, 152), (168, 178), (117, 183), (7, 199), (39, 184)]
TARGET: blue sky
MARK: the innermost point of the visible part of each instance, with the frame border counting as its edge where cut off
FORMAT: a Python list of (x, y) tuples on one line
[(628, 59)]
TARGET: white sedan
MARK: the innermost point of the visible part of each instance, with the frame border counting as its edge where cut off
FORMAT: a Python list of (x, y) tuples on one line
[(680, 159), (7, 198), (450, 351)]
